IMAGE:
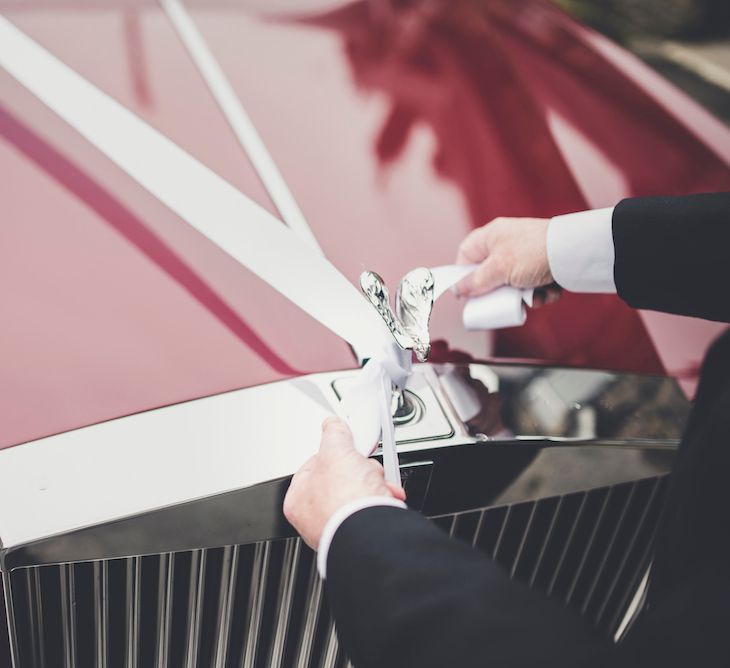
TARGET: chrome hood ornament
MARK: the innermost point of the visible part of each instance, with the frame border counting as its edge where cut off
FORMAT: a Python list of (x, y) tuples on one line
[(413, 303)]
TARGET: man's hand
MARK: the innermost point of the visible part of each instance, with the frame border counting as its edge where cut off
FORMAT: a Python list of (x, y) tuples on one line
[(336, 475), (509, 251)]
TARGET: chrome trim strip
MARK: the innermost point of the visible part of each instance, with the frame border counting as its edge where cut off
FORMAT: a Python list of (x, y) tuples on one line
[(10, 616), (239, 120)]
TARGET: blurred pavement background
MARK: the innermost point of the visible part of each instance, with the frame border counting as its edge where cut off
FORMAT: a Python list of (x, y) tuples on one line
[(687, 41)]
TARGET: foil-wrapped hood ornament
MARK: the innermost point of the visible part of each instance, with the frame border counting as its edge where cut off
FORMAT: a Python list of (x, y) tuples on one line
[(413, 304)]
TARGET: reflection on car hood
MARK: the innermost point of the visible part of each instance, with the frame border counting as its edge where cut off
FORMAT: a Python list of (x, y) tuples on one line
[(397, 133)]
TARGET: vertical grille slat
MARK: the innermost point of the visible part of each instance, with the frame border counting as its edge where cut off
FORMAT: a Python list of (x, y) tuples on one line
[(331, 648), (12, 631), (566, 547), (257, 599), (35, 617), (608, 551), (651, 507), (532, 543), (630, 591), (490, 528), (195, 608), (525, 535), (313, 605), (546, 541), (68, 614), (226, 598), (454, 526), (589, 545), (465, 526), (133, 584), (165, 588), (582, 548), (264, 604), (502, 533), (101, 613), (478, 529), (284, 602)]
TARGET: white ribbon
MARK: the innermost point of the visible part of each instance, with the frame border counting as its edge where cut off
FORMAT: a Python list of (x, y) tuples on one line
[(503, 307), (244, 230), (228, 218)]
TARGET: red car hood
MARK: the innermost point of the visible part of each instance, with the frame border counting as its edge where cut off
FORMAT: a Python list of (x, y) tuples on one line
[(396, 131)]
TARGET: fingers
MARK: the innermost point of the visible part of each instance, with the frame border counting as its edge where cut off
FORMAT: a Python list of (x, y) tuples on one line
[(395, 490), (475, 246), (479, 243), (510, 251), (332, 421), (553, 294), (546, 295), (485, 278)]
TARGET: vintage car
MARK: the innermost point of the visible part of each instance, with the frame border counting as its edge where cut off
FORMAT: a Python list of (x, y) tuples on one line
[(156, 395)]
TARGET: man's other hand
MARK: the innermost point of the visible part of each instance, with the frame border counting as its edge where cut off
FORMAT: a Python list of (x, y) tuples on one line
[(336, 475), (509, 251)]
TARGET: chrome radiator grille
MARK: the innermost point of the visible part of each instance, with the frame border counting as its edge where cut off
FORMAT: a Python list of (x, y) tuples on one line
[(263, 605), (588, 549), (249, 605)]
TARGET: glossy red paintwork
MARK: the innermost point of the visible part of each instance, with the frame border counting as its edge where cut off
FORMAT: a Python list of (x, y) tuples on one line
[(397, 129)]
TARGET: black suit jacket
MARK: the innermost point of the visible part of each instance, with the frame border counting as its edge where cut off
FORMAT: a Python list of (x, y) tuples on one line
[(403, 594)]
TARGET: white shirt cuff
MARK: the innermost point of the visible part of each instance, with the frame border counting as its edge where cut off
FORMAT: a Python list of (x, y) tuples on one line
[(333, 523), (580, 250)]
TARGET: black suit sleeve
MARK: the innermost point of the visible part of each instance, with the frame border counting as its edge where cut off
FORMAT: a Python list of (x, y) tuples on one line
[(673, 254), (403, 594)]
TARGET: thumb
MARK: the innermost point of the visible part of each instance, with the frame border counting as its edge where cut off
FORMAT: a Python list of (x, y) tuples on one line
[(335, 434), (485, 278), (396, 490)]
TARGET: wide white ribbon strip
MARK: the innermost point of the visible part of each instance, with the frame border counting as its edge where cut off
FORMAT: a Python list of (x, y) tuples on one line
[(203, 199), (223, 214), (248, 233)]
